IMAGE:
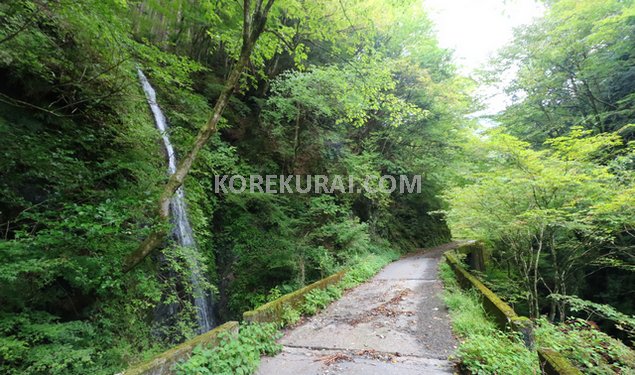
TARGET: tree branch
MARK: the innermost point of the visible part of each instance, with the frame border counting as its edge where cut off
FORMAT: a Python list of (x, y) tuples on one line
[(252, 28)]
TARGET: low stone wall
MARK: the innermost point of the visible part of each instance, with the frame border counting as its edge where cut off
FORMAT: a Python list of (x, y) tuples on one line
[(272, 311), (502, 313), (162, 364), (551, 362)]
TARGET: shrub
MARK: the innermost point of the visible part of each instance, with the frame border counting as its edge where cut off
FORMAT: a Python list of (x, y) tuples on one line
[(365, 267), (316, 300), (496, 353), (290, 316), (235, 354), (589, 349), (38, 343)]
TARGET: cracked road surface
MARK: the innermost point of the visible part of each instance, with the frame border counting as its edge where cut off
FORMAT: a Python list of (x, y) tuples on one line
[(393, 324)]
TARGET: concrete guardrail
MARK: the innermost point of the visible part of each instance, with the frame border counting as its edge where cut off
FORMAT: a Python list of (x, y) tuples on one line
[(504, 316), (163, 363), (272, 311), (551, 362)]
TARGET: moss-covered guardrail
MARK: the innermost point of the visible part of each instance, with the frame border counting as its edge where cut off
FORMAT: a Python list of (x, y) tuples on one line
[(272, 311), (551, 362), (502, 313), (163, 363)]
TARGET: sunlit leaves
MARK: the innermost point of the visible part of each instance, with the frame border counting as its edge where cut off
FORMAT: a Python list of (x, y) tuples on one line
[(574, 68), (559, 187), (348, 95)]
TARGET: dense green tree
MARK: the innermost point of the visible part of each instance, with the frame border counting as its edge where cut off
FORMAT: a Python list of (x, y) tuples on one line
[(336, 87), (575, 68), (547, 213)]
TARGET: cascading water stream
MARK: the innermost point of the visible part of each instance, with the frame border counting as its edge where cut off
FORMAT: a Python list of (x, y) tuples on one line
[(178, 211)]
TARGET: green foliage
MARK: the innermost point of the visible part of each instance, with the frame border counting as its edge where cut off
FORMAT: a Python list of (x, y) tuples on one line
[(314, 301), (328, 239), (539, 209), (365, 84), (550, 189), (81, 169), (496, 353), (290, 316), (592, 351), (234, 354), (470, 318), (622, 321), (574, 69), (508, 286), (348, 95), (38, 343), (365, 267), (483, 348)]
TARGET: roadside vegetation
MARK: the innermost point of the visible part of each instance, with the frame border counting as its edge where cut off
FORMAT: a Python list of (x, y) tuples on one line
[(358, 88), (483, 348), (241, 354), (550, 190), (588, 348), (235, 354)]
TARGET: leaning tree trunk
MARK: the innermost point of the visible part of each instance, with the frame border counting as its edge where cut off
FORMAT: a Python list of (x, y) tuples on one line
[(253, 26)]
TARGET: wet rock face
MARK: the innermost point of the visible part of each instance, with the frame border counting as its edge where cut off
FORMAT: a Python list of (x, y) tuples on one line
[(182, 230)]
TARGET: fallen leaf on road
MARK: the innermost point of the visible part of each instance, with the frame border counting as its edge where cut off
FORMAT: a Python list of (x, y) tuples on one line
[(334, 358)]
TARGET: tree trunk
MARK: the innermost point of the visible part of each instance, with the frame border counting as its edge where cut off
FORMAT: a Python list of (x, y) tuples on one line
[(556, 277), (562, 305), (302, 266), (296, 138), (536, 308), (253, 25)]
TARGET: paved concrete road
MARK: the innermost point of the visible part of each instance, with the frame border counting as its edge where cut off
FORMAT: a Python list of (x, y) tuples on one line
[(393, 324)]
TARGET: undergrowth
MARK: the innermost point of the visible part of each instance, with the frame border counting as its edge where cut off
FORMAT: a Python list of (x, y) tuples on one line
[(589, 349), (486, 350), (240, 354), (483, 349)]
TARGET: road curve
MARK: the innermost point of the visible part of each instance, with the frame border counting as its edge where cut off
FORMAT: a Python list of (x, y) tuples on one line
[(393, 324)]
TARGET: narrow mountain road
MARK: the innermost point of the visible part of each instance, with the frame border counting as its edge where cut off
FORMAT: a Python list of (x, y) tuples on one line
[(393, 324)]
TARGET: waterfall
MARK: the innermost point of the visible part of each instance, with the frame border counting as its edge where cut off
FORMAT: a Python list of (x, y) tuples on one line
[(178, 211)]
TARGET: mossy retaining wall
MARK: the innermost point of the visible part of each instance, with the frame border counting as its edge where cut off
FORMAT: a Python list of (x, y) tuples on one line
[(163, 363), (502, 313), (272, 311), (551, 362)]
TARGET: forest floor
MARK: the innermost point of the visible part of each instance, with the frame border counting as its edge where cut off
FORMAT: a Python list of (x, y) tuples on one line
[(396, 323)]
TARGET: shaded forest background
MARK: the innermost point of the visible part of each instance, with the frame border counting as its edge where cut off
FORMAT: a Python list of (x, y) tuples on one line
[(332, 88), (350, 87)]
